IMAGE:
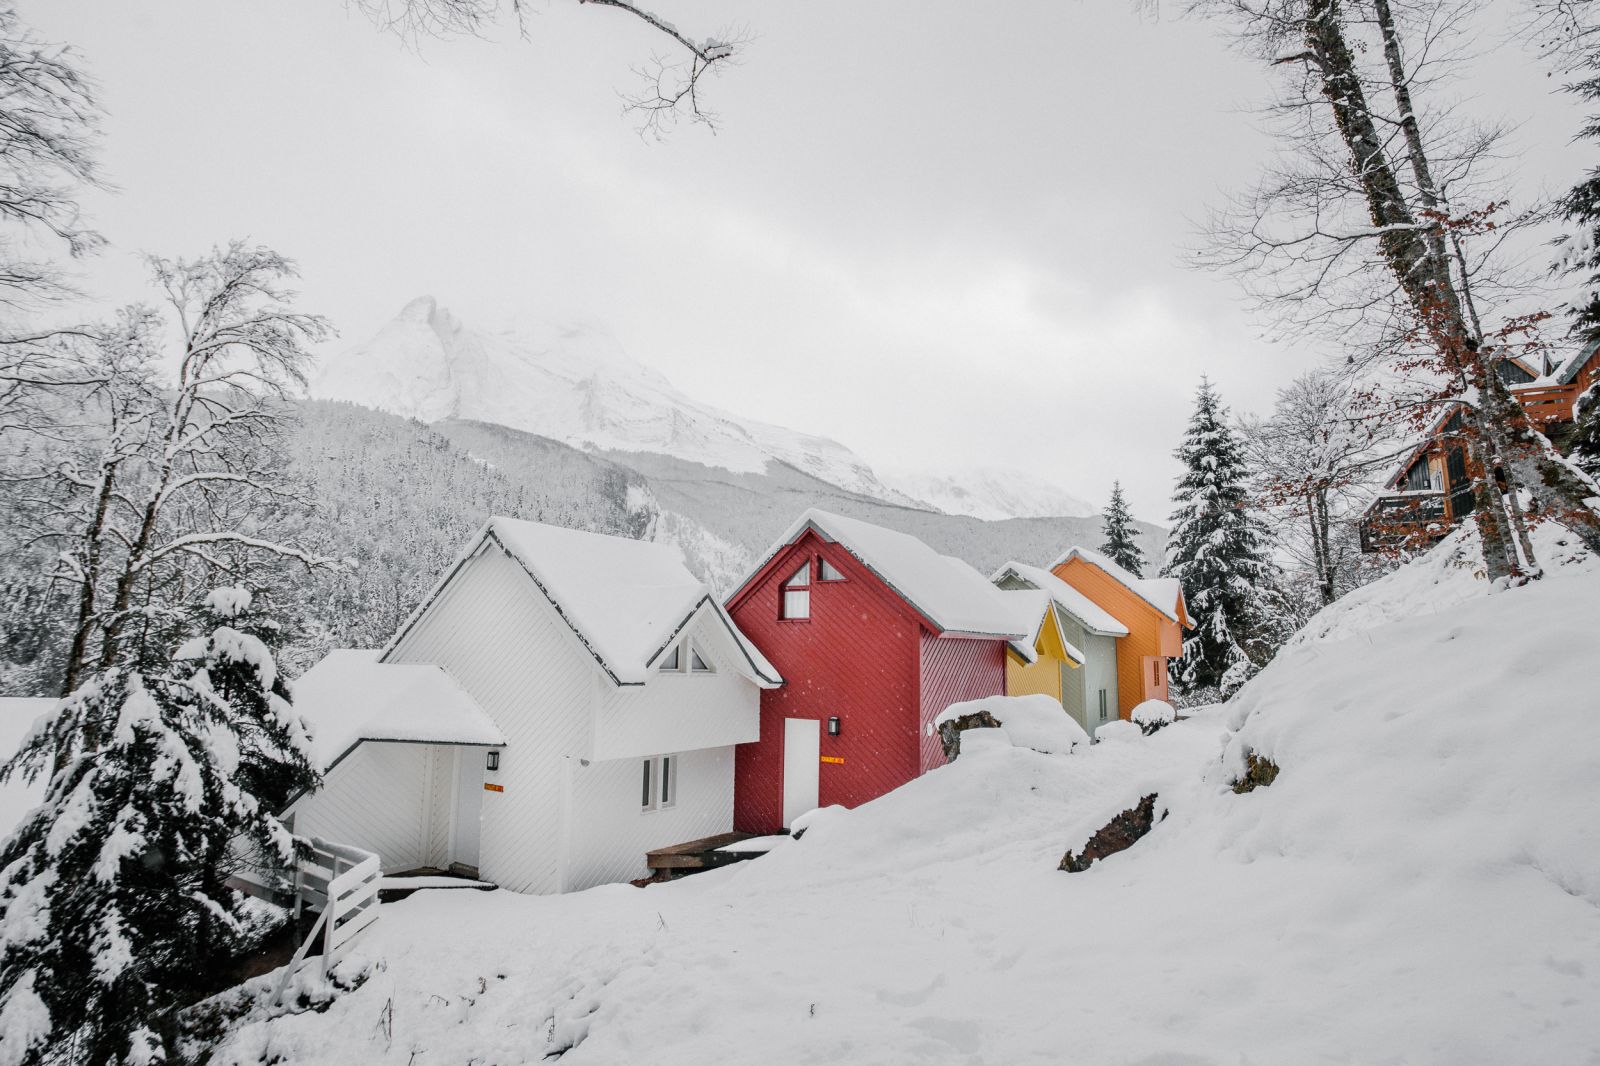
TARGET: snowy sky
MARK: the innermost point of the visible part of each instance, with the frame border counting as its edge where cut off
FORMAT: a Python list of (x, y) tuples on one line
[(943, 233)]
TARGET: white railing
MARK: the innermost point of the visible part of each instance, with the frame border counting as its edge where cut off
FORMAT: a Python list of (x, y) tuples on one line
[(341, 884)]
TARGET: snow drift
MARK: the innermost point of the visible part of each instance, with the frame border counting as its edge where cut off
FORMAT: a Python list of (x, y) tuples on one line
[(1420, 884)]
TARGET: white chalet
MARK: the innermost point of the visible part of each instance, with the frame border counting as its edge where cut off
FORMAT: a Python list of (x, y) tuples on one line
[(560, 704)]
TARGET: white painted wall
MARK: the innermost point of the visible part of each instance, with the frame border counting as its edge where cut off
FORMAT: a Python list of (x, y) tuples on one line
[(682, 711), (610, 833), (497, 635), (386, 797)]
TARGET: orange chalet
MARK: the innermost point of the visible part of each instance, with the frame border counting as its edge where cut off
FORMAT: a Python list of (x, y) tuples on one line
[(1151, 608)]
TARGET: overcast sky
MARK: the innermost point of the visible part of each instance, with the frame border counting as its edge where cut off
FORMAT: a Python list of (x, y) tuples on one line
[(942, 232)]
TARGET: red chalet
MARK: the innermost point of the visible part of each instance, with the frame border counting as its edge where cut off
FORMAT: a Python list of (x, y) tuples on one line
[(875, 634)]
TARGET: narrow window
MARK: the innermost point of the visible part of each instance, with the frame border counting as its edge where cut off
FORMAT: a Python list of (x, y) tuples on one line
[(669, 780), (1102, 705), (797, 593), (649, 794), (826, 571), (698, 665), (673, 660)]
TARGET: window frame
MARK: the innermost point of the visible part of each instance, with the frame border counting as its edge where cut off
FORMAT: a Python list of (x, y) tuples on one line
[(1103, 701), (797, 584), (823, 567), (660, 783)]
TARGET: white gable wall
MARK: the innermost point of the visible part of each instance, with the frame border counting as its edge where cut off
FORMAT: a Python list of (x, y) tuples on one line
[(499, 638), (682, 711), (610, 830)]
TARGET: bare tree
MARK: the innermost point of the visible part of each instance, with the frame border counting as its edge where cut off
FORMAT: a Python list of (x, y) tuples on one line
[(144, 486), (671, 82), (48, 133), (1309, 462), (1387, 224)]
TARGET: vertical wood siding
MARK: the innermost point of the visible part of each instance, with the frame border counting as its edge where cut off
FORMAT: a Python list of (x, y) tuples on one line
[(1149, 631), (500, 639), (855, 658), (954, 669)]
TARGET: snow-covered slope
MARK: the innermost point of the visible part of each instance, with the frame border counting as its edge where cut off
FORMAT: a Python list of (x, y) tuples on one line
[(1420, 885), (571, 384), (990, 493)]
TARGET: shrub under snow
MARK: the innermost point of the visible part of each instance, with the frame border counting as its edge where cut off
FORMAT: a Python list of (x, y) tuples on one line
[(1036, 722), (1151, 715)]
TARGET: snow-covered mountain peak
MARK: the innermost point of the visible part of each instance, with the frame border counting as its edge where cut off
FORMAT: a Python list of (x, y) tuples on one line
[(573, 383)]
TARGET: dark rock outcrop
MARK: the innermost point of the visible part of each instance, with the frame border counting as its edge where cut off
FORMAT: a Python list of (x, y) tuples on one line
[(1259, 772), (950, 731), (1119, 834)]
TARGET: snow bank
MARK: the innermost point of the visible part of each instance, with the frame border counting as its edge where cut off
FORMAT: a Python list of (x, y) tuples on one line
[(1436, 582), (1117, 732), (1036, 722)]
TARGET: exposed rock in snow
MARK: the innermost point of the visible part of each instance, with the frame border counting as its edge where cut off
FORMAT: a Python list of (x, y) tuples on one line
[(1121, 833), (573, 384)]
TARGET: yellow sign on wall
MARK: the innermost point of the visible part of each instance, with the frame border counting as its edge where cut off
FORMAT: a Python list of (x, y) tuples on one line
[(491, 787), (833, 759)]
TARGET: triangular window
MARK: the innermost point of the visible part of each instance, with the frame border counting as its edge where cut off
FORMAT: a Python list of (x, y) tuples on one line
[(673, 660), (698, 665), (826, 571)]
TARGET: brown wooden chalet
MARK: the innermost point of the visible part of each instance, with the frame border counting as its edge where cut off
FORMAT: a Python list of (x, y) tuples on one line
[(1430, 491)]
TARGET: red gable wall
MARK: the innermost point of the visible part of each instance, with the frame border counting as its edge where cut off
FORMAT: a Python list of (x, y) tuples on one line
[(859, 657)]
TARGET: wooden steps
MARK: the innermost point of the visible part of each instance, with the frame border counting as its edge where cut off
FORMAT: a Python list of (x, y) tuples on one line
[(694, 855)]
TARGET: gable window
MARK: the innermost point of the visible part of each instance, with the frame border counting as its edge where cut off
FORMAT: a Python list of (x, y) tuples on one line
[(659, 782), (1102, 705), (697, 664), (826, 571), (685, 658), (673, 660), (797, 593)]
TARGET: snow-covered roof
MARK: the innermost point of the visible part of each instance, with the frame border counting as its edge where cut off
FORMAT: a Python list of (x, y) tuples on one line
[(1568, 372), (1162, 593), (943, 589), (1090, 615), (1032, 607), (350, 697), (626, 600)]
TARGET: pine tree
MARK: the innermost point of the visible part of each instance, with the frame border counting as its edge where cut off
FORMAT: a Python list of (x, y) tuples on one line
[(1215, 550), (1585, 443), (1121, 545), (115, 908)]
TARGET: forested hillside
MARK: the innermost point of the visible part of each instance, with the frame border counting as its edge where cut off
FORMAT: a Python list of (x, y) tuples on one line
[(389, 502)]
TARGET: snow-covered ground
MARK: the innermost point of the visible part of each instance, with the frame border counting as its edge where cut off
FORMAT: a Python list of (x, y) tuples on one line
[(1421, 884)]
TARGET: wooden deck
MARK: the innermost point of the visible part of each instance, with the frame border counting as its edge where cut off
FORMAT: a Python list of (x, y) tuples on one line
[(695, 855)]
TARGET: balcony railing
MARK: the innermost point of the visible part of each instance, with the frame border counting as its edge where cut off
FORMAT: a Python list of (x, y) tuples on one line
[(1404, 520), (1546, 404)]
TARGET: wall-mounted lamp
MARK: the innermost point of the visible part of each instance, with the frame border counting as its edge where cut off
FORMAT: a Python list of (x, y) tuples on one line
[(833, 727), (492, 761)]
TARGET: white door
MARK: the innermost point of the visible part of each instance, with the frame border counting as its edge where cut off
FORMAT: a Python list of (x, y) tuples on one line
[(802, 748), (469, 806)]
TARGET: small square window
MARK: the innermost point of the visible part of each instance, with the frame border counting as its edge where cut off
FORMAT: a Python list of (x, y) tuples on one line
[(826, 571)]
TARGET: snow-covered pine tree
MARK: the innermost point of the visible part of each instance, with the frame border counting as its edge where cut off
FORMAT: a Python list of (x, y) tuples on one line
[(1121, 545), (1585, 443), (115, 909), (1216, 551)]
